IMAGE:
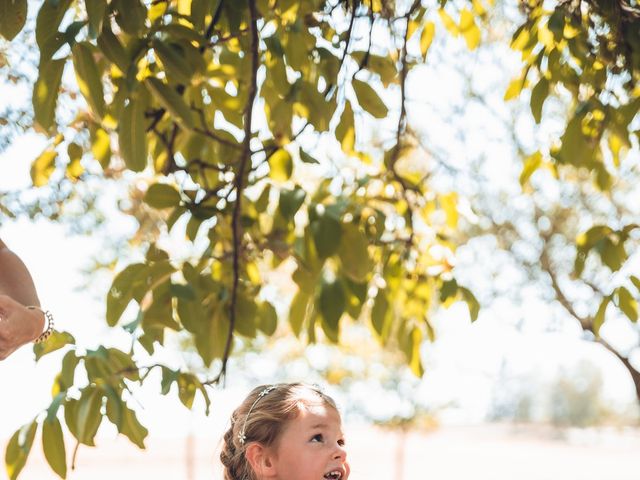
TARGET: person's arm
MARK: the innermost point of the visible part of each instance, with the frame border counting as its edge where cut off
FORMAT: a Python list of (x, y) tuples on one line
[(18, 324)]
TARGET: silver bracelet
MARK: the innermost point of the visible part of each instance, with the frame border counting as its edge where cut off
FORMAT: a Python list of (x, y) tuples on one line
[(48, 316)]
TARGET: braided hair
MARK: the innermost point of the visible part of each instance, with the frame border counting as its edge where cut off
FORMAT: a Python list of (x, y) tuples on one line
[(261, 418)]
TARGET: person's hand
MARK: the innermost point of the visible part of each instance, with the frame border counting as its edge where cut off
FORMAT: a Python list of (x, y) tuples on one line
[(18, 325)]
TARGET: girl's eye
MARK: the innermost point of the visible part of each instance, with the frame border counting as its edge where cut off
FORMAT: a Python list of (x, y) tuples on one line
[(341, 442), (317, 437)]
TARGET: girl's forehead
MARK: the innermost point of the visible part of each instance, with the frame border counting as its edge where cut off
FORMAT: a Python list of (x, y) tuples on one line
[(318, 415)]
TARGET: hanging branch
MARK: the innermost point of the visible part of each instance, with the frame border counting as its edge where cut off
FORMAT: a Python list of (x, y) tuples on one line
[(245, 159)]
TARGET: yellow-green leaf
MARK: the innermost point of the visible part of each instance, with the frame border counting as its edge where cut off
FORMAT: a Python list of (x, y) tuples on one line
[(426, 38), (280, 165), (18, 449), (415, 363), (132, 136), (538, 96), (354, 254), (45, 93), (298, 311), (89, 78), (449, 203), (13, 15), (628, 304), (448, 22), (43, 167), (599, 318), (101, 146), (345, 131), (56, 341), (513, 90), (469, 29), (531, 164), (53, 446), (369, 99)]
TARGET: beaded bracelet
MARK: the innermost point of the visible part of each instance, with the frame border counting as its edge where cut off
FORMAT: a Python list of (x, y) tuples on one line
[(49, 326)]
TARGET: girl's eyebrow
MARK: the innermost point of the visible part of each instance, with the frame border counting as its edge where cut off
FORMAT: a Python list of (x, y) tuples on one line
[(319, 425)]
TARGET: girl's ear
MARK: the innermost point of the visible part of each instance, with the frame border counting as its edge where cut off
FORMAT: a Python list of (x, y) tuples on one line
[(260, 460)]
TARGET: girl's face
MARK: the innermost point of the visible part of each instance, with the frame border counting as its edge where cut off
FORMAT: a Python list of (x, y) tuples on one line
[(312, 447)]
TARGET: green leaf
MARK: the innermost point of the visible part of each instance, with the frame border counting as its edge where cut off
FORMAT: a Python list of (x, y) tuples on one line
[(381, 315), (13, 15), (172, 101), (162, 195), (369, 99), (306, 158), (280, 165), (121, 291), (45, 93), (56, 341), (327, 233), (174, 62), (332, 304), (168, 378), (538, 95), (132, 135), (114, 408), (267, 318), (186, 389), (130, 15), (113, 49), (48, 37), (246, 309), (18, 449), (132, 428), (96, 10), (354, 254), (53, 446), (636, 282), (64, 379), (472, 303), (628, 304), (88, 77), (599, 319), (88, 415), (291, 201)]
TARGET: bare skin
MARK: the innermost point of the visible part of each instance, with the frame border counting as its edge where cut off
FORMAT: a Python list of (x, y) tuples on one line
[(18, 324)]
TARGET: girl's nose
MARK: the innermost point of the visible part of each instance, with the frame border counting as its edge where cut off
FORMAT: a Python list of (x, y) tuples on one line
[(340, 453)]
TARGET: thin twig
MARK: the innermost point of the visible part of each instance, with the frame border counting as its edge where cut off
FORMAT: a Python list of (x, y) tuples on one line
[(239, 186)]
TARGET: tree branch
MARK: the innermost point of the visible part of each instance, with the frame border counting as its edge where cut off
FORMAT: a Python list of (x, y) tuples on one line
[(245, 158)]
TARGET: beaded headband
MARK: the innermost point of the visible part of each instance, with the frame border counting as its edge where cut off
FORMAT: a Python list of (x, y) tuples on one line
[(242, 437)]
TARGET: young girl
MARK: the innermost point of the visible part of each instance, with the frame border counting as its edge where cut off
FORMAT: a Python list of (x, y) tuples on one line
[(287, 431)]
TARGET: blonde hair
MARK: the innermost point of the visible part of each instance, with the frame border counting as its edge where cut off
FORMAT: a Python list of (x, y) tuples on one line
[(267, 418)]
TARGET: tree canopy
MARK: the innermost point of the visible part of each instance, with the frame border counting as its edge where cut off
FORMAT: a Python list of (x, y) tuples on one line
[(273, 134)]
